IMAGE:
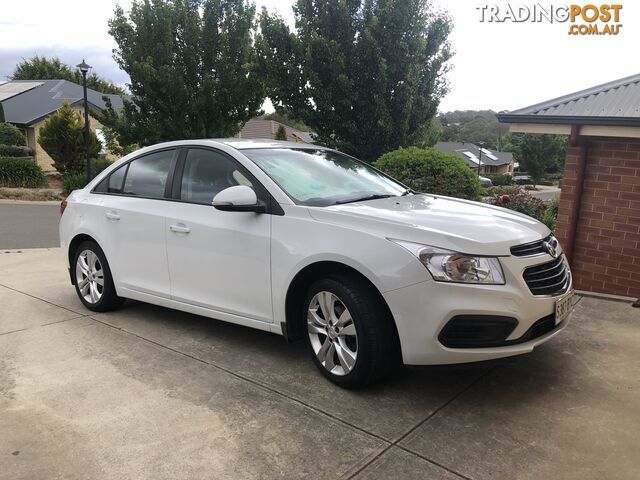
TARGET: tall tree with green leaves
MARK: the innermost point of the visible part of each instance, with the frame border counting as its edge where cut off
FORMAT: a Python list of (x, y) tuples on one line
[(537, 152), (365, 75), (192, 69), (43, 68)]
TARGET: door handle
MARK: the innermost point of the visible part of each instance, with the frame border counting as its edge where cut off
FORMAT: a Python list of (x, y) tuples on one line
[(180, 228), (112, 215)]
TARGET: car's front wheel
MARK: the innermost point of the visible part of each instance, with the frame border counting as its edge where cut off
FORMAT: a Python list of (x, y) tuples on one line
[(349, 333), (93, 280)]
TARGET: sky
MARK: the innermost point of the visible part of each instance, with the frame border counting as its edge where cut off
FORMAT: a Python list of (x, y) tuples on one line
[(497, 66)]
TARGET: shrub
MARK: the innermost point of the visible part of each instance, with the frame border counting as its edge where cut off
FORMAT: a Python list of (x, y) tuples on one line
[(21, 172), (432, 171), (62, 137), (281, 133), (15, 151), (503, 190), (520, 200), (550, 215), (11, 135), (73, 182), (499, 179), (76, 181)]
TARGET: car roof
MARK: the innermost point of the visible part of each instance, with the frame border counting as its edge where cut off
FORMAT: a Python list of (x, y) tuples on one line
[(247, 143)]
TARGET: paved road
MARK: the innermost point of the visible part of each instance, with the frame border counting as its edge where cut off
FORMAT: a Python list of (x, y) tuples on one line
[(147, 392), (546, 195), (29, 225)]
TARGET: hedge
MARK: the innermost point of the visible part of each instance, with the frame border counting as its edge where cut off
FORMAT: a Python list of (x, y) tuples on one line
[(15, 151), (499, 179), (76, 181), (73, 182), (431, 171), (11, 135), (21, 172)]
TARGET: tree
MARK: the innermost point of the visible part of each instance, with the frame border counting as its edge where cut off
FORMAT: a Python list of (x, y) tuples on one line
[(473, 126), (281, 133), (62, 137), (43, 68), (538, 152), (1, 113), (192, 69), (365, 75)]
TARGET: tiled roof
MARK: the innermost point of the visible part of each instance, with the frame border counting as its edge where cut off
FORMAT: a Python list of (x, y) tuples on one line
[(263, 128), (471, 154), (27, 101)]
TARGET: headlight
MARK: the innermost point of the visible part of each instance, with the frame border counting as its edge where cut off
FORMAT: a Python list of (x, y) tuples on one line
[(448, 266)]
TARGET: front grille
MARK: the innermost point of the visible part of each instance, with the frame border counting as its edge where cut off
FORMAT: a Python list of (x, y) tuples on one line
[(532, 248), (550, 278)]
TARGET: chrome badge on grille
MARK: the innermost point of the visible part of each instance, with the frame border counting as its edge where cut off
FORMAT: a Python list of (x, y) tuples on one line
[(551, 247)]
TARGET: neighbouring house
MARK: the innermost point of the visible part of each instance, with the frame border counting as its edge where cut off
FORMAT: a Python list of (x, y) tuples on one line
[(260, 127), (490, 162), (599, 213), (28, 103)]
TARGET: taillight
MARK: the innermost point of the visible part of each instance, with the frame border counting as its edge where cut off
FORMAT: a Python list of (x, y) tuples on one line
[(63, 205)]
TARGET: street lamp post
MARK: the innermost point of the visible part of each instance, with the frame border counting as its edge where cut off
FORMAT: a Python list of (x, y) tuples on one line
[(84, 68), (480, 157)]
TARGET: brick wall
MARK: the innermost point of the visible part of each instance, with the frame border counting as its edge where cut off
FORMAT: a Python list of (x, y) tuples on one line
[(606, 254)]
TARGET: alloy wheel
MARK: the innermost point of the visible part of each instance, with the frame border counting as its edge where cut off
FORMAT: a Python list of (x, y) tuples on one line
[(332, 333), (89, 276)]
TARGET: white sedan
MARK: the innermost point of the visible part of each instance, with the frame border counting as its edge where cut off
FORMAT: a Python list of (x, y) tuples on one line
[(312, 244)]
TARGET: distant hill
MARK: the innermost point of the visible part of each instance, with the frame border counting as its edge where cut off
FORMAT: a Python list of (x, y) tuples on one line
[(473, 126)]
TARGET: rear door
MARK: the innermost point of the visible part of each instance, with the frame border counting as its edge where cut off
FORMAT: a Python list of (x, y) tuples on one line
[(134, 207), (218, 260)]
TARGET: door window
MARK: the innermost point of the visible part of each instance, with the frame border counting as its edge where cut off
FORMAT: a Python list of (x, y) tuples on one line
[(114, 182), (147, 176), (206, 173)]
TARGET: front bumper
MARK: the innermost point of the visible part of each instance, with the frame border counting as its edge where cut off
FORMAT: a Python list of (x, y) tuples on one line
[(422, 311)]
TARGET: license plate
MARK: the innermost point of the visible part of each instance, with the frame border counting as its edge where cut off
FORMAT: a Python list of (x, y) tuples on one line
[(564, 307)]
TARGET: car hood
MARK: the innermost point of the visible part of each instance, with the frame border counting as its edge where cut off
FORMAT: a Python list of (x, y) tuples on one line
[(451, 223)]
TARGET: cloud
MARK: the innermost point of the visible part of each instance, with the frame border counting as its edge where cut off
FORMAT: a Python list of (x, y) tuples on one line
[(100, 58)]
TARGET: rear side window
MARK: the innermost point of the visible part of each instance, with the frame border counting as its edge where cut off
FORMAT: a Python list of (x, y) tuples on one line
[(114, 182), (206, 173), (147, 176)]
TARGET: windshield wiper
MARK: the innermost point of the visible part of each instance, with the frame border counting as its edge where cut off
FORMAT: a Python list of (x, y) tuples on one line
[(407, 192), (375, 196)]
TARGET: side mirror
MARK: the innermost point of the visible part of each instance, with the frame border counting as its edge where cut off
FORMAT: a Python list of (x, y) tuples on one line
[(238, 199)]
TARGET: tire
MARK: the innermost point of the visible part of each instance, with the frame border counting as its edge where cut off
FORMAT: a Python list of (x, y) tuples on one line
[(89, 268), (375, 342)]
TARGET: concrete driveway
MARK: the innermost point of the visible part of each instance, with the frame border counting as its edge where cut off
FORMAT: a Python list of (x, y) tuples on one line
[(29, 224), (147, 392)]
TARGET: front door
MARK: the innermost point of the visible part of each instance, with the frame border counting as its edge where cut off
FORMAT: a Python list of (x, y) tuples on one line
[(218, 260)]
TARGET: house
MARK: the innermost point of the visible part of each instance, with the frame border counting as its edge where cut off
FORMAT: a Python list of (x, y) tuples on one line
[(28, 103), (490, 161), (261, 127), (599, 213)]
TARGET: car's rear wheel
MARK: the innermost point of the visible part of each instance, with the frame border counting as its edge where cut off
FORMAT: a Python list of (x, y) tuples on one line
[(93, 280), (349, 333)]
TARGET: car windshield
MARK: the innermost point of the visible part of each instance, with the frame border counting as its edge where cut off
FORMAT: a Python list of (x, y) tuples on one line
[(323, 177)]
